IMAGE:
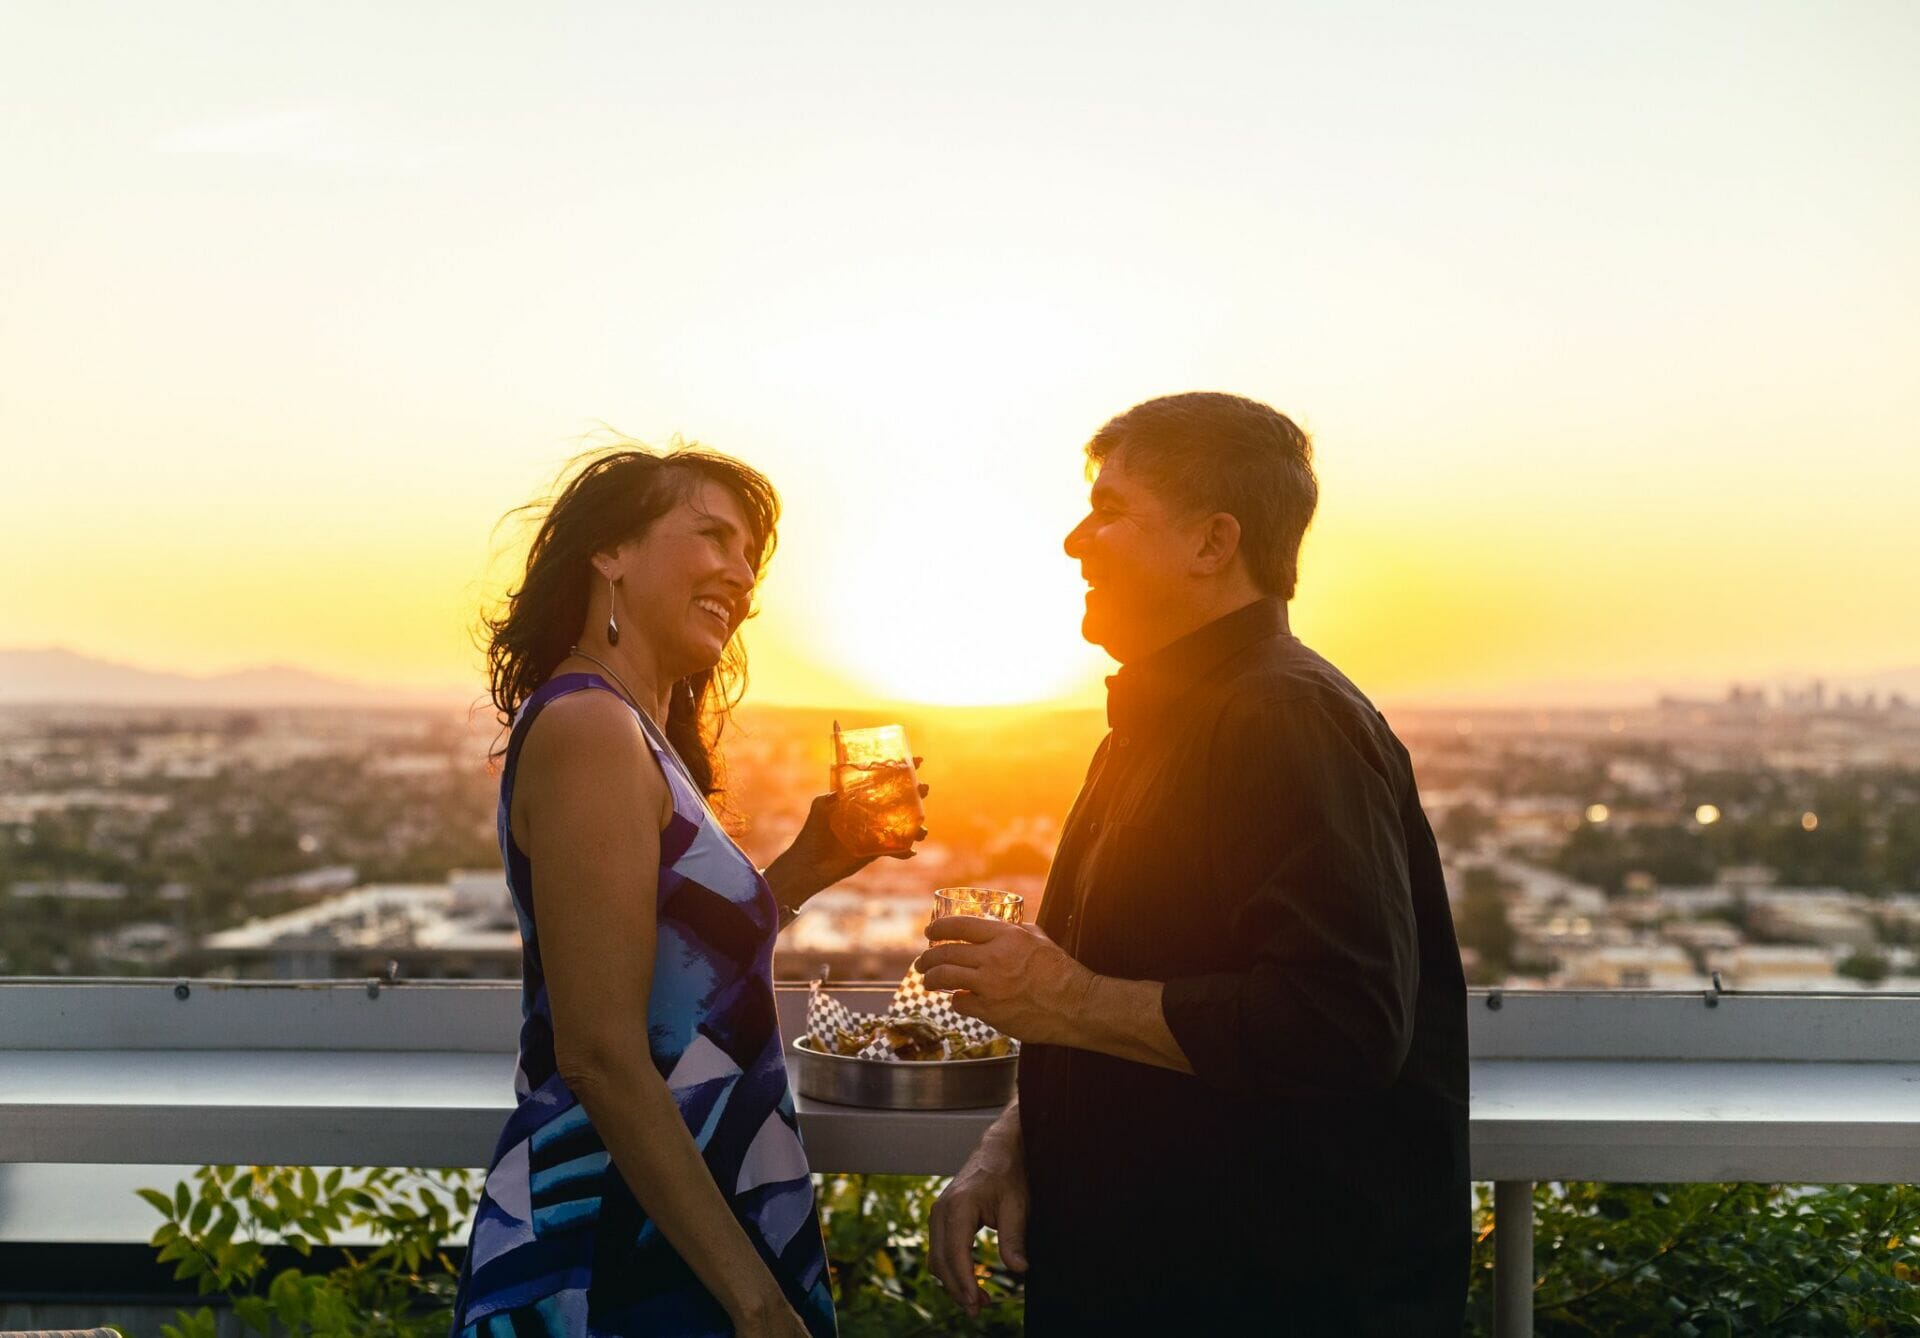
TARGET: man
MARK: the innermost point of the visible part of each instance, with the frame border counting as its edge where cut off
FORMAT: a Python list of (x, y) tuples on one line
[(1243, 1083)]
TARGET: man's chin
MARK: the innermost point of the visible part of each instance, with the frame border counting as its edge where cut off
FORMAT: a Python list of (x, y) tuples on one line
[(1095, 631)]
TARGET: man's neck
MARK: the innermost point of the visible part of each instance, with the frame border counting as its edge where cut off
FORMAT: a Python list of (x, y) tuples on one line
[(1196, 617)]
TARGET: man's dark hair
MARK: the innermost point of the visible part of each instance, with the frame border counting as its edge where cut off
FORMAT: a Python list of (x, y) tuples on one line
[(1212, 452)]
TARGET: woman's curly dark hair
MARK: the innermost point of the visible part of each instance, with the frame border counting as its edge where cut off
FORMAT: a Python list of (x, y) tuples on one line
[(612, 496)]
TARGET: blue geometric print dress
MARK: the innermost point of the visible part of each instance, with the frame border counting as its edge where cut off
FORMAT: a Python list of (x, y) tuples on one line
[(559, 1248)]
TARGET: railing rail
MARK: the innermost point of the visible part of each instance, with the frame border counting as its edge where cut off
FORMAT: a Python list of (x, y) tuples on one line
[(1565, 1085)]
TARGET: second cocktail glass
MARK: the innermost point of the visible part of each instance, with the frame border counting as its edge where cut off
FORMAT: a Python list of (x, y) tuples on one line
[(989, 903)]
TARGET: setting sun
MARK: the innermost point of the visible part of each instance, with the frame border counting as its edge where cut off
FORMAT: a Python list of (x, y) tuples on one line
[(963, 600), (332, 332)]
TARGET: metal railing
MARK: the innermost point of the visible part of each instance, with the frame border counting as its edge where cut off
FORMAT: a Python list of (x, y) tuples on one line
[(1565, 1086)]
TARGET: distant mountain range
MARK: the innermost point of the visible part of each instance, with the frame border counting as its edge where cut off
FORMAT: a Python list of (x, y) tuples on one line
[(52, 675), (56, 676)]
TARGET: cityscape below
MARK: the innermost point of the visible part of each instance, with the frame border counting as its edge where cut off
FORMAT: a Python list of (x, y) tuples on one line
[(1762, 840)]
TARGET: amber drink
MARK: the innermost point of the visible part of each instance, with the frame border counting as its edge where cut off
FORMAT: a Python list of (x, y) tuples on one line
[(879, 811), (989, 903)]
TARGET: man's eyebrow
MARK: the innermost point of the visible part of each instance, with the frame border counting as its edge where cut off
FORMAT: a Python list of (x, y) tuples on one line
[(1104, 492)]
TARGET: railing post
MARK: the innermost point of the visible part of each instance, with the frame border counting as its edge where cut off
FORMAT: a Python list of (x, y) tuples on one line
[(1513, 1259)]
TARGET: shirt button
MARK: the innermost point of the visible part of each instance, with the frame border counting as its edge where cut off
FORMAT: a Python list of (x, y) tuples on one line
[(1123, 740)]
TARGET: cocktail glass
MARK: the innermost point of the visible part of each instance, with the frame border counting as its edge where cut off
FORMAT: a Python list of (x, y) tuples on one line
[(879, 810)]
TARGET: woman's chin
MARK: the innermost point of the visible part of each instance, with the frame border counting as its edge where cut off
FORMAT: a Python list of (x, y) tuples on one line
[(703, 654)]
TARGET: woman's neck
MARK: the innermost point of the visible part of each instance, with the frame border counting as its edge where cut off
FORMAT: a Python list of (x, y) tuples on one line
[(633, 671)]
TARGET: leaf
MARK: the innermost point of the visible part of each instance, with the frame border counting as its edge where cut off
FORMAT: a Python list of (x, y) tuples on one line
[(253, 1312), (182, 1202), (202, 1213), (287, 1297), (161, 1203)]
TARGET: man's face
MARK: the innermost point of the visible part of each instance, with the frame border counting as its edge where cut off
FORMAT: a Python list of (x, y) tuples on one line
[(1135, 553)]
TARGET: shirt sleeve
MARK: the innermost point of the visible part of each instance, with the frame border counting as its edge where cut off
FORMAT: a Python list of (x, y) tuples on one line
[(1308, 854)]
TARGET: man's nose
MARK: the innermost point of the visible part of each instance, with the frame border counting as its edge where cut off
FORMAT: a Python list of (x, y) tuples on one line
[(1071, 544)]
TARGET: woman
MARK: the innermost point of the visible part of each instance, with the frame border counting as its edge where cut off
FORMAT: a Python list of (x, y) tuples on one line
[(651, 1180)]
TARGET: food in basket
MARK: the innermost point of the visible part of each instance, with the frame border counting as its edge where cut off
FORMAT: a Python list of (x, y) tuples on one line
[(914, 1040), (920, 1028), (850, 1042)]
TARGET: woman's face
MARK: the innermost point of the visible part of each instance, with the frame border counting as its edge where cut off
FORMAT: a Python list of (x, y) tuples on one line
[(687, 584)]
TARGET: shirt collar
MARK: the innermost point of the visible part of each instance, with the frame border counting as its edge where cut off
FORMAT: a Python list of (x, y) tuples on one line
[(1144, 690)]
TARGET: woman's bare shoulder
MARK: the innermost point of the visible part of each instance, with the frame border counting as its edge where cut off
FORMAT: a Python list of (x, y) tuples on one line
[(589, 737)]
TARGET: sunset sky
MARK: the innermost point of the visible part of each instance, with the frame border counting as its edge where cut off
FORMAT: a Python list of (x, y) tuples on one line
[(1605, 319)]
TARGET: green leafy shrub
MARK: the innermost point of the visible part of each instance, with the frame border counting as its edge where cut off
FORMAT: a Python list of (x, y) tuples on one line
[(219, 1228), (876, 1230), (1707, 1261)]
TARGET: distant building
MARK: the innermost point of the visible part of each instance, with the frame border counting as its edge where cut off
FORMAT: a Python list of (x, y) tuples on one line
[(462, 929), (310, 882), (68, 889), (145, 943), (1702, 936), (1830, 919), (1754, 966), (1637, 966)]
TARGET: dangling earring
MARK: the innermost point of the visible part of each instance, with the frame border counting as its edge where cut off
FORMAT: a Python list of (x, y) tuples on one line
[(613, 628)]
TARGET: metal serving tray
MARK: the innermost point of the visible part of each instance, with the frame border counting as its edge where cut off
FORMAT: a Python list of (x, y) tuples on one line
[(933, 1084)]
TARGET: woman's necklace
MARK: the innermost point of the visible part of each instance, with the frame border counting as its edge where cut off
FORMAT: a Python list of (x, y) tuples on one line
[(575, 650)]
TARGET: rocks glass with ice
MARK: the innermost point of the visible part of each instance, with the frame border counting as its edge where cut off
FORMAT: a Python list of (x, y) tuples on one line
[(878, 810), (989, 903)]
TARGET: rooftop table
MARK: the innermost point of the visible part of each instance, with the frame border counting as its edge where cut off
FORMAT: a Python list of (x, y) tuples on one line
[(1565, 1086)]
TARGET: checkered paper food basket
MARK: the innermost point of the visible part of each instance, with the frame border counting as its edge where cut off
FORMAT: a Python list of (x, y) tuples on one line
[(828, 1018)]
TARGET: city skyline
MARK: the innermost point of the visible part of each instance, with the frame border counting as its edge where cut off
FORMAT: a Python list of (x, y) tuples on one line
[(1602, 322)]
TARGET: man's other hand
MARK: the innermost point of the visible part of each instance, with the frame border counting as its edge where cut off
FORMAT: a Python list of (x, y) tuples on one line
[(991, 1190), (1013, 977)]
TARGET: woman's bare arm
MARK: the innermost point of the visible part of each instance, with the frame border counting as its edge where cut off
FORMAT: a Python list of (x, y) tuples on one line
[(594, 802)]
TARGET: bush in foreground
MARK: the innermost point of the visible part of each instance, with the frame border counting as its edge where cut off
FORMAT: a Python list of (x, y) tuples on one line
[(1698, 1260)]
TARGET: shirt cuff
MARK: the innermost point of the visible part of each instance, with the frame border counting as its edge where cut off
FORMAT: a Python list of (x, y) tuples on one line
[(1204, 1015)]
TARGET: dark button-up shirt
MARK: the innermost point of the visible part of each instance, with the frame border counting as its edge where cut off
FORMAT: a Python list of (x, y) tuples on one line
[(1249, 833)]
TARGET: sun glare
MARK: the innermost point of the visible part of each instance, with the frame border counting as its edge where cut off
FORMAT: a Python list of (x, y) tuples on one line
[(979, 626), (962, 598), (926, 538)]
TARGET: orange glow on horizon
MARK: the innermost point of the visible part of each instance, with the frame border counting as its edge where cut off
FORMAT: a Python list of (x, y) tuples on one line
[(1591, 423)]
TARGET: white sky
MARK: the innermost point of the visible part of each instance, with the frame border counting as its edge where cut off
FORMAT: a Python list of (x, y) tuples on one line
[(1605, 317)]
